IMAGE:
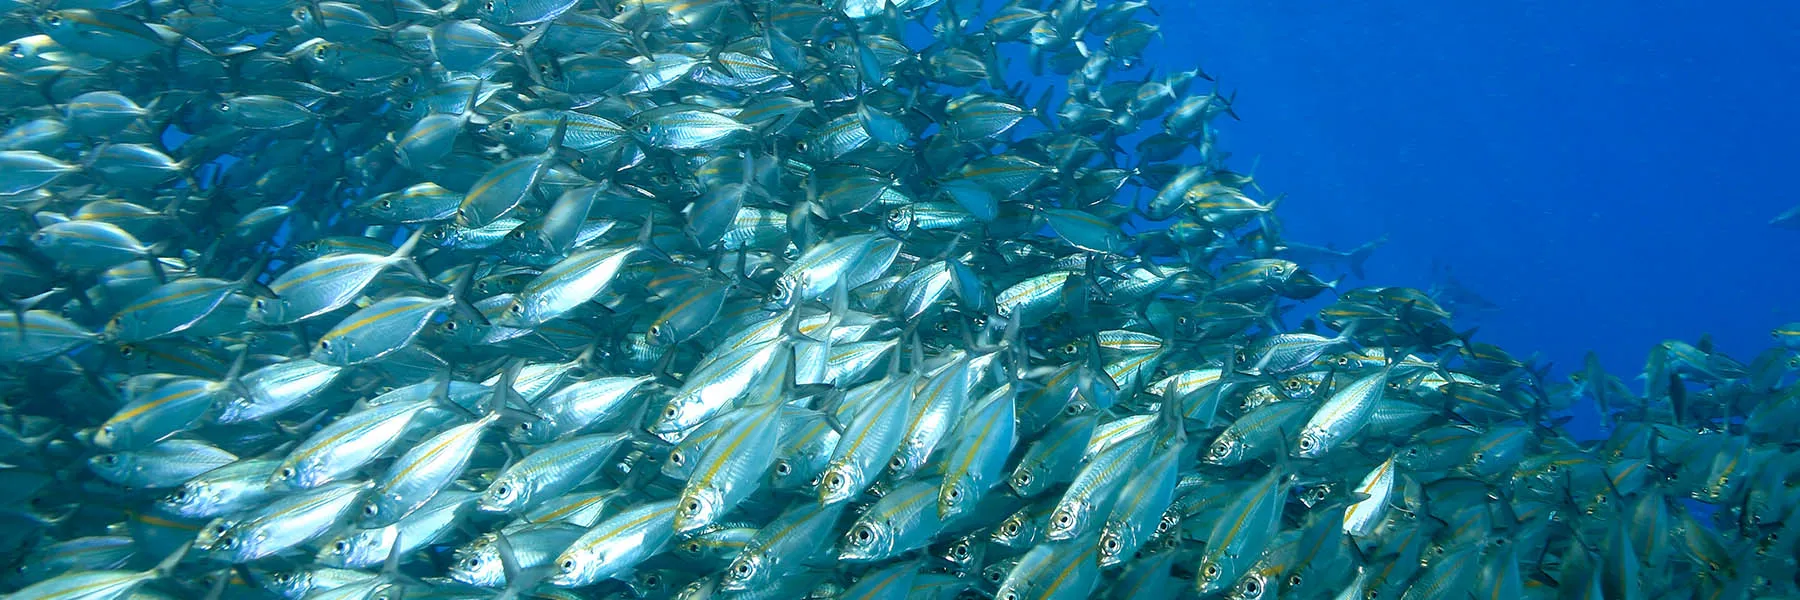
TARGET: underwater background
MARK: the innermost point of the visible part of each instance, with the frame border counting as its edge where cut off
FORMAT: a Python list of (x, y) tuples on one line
[(1602, 171)]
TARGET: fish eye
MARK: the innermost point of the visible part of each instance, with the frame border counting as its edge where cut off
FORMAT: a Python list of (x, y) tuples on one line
[(955, 493), (896, 463), (1010, 528), (506, 125), (741, 570), (341, 547), (1306, 444), (619, 8), (1110, 544), (644, 129), (517, 309), (831, 45), (180, 496), (677, 457), (109, 459), (1023, 479), (450, 326), (225, 106), (834, 481), (370, 510), (1211, 571), (472, 563), (1293, 384), (53, 19), (285, 473), (862, 534), (408, 105), (693, 547), (801, 145), (503, 490), (670, 412), (782, 468), (692, 506), (321, 51), (405, 80), (1410, 452), (324, 344), (1251, 587), (568, 565), (1294, 580), (489, 6), (652, 580)]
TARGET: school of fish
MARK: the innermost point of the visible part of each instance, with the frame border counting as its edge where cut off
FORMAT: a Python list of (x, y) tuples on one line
[(773, 299)]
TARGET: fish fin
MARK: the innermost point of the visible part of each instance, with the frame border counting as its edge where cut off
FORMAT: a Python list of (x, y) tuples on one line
[(459, 296), (168, 564)]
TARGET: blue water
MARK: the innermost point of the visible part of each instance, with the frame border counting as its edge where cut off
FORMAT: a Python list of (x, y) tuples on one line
[(1603, 172)]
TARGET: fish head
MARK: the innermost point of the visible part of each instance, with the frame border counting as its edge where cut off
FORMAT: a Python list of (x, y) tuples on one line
[(267, 311), (333, 350), (698, 508), (899, 220), (1312, 444), (112, 436), (1211, 577), (505, 495), (479, 565), (1068, 520), (678, 416), (194, 498), (518, 313), (1252, 586), (1112, 544), (1224, 451), (540, 431), (745, 572), (787, 291), (286, 584), (113, 465), (575, 566), (866, 541), (837, 484), (1025, 480), (955, 498), (1011, 532), (342, 552)]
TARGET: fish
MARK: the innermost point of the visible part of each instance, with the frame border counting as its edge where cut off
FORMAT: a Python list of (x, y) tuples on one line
[(787, 299)]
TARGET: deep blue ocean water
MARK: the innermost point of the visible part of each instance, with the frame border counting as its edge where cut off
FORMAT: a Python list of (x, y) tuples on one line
[(1603, 171)]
